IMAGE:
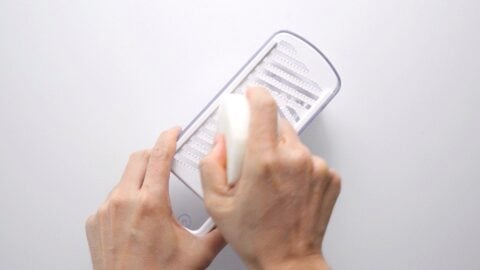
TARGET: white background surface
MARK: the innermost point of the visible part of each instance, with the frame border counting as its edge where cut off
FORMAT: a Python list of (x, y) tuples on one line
[(84, 83)]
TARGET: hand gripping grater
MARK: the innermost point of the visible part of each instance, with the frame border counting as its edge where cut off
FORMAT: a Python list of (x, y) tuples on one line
[(299, 77)]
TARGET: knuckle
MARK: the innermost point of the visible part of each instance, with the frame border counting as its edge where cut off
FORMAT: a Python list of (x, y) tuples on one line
[(90, 222), (300, 158), (102, 211), (218, 206), (268, 161), (336, 183), (304, 156), (117, 202), (147, 205), (209, 203), (146, 153), (321, 167)]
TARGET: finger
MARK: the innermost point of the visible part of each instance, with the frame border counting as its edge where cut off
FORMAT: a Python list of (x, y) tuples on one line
[(321, 180), (104, 228), (134, 173), (212, 169), (330, 197), (263, 118), (94, 241), (287, 133), (214, 242), (159, 164)]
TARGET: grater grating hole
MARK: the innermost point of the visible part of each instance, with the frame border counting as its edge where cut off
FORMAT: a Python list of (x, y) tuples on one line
[(185, 162), (293, 113), (187, 157), (191, 156), (190, 147), (199, 146), (283, 98), (287, 114), (300, 78), (289, 84), (289, 61), (274, 84), (286, 47), (302, 82)]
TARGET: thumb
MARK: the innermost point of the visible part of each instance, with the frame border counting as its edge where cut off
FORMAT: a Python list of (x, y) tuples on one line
[(212, 170), (214, 242)]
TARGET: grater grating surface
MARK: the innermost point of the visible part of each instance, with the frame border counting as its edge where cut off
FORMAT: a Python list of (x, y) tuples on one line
[(300, 79)]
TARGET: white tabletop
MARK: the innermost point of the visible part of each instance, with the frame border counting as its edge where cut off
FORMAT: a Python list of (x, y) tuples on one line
[(85, 83)]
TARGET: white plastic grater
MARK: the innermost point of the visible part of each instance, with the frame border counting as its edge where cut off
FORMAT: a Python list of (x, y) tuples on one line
[(300, 78)]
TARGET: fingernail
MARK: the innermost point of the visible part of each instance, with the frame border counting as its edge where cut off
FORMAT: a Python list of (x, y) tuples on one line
[(176, 128)]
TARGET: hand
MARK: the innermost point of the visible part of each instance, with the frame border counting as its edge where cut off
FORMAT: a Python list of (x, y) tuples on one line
[(135, 227), (276, 215)]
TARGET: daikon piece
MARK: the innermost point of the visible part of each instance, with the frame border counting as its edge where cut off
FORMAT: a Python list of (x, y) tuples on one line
[(233, 123)]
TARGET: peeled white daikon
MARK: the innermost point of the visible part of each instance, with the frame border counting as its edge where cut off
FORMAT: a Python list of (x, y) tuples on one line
[(233, 122)]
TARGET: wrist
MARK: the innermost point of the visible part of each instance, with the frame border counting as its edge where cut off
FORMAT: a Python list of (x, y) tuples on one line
[(307, 262)]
